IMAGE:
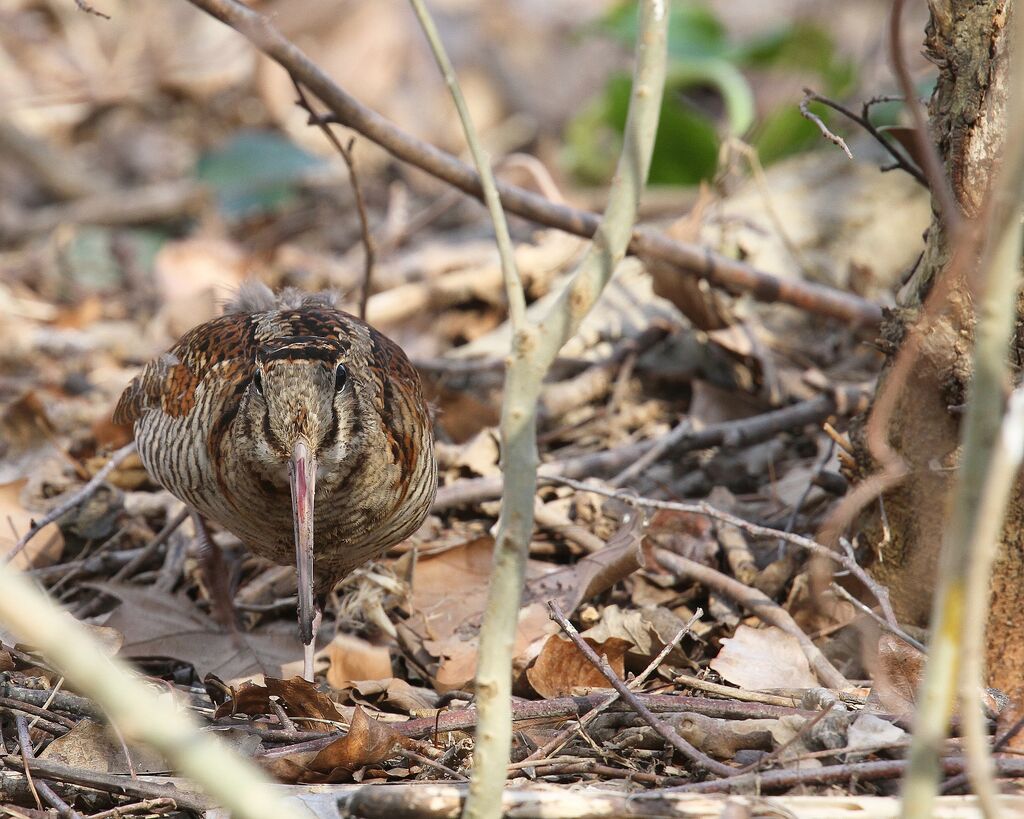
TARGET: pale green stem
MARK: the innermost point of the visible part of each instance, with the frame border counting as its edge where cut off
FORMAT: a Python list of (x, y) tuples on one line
[(513, 284), (534, 348), (138, 711)]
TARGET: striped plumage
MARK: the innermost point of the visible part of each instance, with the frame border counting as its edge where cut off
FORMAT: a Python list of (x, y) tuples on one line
[(217, 419)]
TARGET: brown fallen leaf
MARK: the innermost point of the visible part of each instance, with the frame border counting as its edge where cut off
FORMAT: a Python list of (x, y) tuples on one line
[(450, 591), (897, 671), (299, 698), (157, 624), (368, 742), (561, 667), (352, 658), (763, 658), (45, 549), (26, 437), (95, 747)]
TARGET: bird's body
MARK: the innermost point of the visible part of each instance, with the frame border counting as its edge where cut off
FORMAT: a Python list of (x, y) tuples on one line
[(222, 420)]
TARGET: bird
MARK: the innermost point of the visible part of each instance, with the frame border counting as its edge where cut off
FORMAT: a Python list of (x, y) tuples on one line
[(295, 426)]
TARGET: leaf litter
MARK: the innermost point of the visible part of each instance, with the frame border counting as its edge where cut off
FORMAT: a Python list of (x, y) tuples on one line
[(85, 304)]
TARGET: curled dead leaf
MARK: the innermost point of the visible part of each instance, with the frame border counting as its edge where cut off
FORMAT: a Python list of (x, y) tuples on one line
[(763, 658), (561, 667)]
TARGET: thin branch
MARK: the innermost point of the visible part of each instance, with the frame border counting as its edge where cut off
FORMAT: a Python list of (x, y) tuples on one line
[(807, 114), (509, 272), (556, 742), (672, 737), (79, 497), (706, 509), (534, 348), (938, 181), (864, 121), (898, 632), (64, 810), (718, 270), (733, 434), (369, 246)]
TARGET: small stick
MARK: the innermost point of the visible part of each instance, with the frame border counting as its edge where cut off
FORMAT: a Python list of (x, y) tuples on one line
[(704, 508), (897, 631), (77, 498), (158, 806), (357, 189), (586, 719), (806, 113), (601, 664), (64, 810)]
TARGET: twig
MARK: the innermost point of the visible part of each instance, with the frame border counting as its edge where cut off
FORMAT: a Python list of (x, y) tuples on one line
[(369, 246), (140, 713), (718, 270), (896, 630), (156, 806), (833, 774), (518, 459), (733, 434), (76, 498), (535, 347), (706, 509), (938, 181), (559, 708), (150, 548), (64, 810), (552, 746), (735, 693), (665, 732), (761, 606), (89, 9), (864, 121), (113, 783), (509, 273), (807, 114)]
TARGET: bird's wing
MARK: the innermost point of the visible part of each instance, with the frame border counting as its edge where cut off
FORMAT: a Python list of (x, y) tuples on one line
[(225, 346)]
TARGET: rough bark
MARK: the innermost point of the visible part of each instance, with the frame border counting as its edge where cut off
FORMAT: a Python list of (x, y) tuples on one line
[(968, 43)]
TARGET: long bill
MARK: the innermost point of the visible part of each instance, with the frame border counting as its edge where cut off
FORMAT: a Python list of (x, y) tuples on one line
[(302, 476)]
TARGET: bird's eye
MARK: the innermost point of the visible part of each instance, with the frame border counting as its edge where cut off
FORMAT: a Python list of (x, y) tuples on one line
[(340, 377), (257, 382)]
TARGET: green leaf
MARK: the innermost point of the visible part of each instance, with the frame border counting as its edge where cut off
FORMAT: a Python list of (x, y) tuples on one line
[(93, 263), (694, 30), (255, 172), (685, 148)]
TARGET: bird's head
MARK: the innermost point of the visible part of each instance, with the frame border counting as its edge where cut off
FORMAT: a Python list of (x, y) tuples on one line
[(302, 417)]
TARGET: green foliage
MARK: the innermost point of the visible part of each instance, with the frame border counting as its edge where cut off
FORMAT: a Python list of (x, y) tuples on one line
[(707, 95), (255, 172)]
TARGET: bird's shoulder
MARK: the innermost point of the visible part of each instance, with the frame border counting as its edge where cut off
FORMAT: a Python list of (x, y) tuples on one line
[(222, 349)]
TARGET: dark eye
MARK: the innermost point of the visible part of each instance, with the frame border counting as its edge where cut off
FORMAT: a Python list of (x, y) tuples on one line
[(340, 377), (257, 382)]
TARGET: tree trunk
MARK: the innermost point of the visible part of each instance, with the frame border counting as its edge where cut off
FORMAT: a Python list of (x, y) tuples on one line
[(968, 41)]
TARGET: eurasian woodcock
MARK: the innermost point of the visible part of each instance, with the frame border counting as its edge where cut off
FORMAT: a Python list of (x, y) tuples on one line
[(295, 426)]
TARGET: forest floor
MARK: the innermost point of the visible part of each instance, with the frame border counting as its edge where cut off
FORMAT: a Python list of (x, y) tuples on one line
[(693, 441)]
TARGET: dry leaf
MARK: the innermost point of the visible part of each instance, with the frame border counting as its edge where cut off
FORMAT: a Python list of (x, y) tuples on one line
[(158, 624), (898, 671), (26, 438), (299, 697), (95, 747), (368, 742), (450, 591), (869, 733), (352, 658), (762, 658), (561, 666), (44, 549), (397, 693)]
